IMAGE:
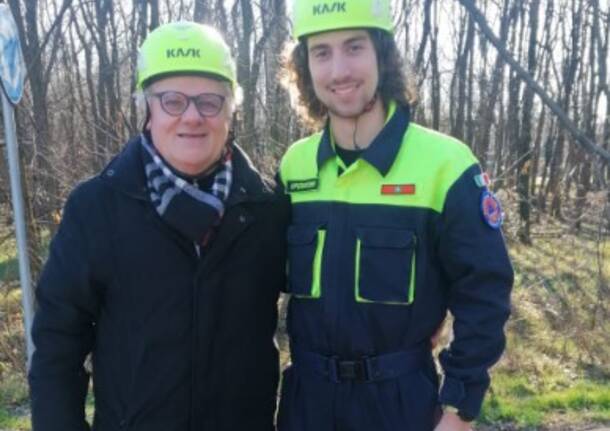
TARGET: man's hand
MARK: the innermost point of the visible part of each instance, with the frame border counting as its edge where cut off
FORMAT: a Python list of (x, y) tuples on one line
[(439, 335), (452, 422), (436, 338)]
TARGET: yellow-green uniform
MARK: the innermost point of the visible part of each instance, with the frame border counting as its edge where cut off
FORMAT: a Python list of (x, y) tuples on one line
[(378, 252)]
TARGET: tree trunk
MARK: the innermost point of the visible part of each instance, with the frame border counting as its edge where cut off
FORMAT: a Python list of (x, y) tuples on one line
[(570, 67), (524, 157), (203, 12), (435, 81), (461, 80), (244, 29), (488, 100), (275, 22)]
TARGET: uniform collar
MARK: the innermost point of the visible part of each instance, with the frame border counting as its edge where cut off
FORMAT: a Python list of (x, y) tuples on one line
[(384, 148)]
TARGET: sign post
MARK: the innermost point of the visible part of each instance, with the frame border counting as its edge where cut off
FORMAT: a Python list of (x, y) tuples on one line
[(12, 77)]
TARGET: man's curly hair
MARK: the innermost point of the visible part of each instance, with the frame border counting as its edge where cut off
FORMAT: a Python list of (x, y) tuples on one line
[(296, 78)]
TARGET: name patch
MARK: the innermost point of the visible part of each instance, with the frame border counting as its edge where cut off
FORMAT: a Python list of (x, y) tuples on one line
[(302, 185)]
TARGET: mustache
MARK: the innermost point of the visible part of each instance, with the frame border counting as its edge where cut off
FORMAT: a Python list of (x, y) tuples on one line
[(343, 81)]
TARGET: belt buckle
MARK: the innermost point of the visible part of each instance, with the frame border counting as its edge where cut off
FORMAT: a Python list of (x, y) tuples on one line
[(353, 370), (348, 370)]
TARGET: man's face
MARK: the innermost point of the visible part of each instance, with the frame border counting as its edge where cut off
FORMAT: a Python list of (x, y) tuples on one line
[(343, 67), (190, 142)]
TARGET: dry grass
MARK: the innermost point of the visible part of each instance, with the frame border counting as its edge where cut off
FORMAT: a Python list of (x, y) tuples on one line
[(554, 375)]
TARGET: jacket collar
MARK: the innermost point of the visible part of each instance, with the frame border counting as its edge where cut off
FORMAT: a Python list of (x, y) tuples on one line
[(384, 148), (125, 173)]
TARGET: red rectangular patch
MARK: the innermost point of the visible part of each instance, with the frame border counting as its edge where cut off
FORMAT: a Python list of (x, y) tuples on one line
[(398, 189)]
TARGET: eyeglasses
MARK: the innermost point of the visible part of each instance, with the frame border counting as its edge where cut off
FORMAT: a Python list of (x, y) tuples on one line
[(176, 103)]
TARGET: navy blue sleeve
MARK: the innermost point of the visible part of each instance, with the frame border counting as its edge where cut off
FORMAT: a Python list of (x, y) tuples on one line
[(477, 268), (63, 329)]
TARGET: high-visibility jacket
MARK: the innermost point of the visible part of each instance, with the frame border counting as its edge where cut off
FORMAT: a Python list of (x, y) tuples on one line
[(378, 252)]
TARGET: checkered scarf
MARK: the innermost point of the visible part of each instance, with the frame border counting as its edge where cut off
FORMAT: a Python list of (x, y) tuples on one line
[(190, 210)]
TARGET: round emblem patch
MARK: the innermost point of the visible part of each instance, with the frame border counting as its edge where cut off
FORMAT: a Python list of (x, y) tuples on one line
[(492, 210)]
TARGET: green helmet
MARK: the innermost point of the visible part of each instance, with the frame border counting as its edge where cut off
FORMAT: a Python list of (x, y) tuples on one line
[(184, 47), (314, 16)]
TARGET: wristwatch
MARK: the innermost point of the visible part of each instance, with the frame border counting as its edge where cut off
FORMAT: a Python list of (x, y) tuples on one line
[(462, 415)]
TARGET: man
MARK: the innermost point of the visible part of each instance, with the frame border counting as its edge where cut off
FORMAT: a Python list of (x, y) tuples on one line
[(392, 225), (166, 266)]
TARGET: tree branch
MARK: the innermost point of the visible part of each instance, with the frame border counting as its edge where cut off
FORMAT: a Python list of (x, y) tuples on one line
[(580, 137)]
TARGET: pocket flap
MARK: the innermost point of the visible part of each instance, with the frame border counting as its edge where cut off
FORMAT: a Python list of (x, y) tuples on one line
[(302, 235), (386, 238)]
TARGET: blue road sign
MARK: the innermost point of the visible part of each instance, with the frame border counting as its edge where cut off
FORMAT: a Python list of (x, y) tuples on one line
[(12, 66)]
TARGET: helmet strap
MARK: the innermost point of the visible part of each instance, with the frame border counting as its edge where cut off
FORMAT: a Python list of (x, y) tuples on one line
[(367, 108), (146, 118)]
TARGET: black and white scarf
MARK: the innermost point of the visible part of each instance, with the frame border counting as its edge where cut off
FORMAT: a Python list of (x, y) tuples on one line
[(190, 210)]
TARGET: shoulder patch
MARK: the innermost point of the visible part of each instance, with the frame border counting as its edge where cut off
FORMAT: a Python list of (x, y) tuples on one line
[(482, 180), (491, 210)]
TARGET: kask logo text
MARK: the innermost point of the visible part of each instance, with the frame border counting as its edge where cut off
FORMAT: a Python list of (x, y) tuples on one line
[(179, 52), (323, 8)]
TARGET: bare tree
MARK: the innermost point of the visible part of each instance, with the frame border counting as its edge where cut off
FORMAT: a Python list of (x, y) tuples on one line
[(570, 66), (524, 156), (203, 12), (459, 80), (521, 99)]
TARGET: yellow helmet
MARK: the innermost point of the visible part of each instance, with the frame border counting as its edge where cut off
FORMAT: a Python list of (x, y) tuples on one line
[(314, 16), (184, 47)]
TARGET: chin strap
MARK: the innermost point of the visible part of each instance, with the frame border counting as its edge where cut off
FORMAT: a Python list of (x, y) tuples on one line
[(367, 108)]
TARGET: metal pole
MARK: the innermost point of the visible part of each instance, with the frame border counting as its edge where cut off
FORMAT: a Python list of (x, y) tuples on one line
[(18, 209)]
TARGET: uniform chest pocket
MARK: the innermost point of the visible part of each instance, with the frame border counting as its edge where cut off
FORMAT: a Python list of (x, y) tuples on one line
[(385, 266), (305, 249)]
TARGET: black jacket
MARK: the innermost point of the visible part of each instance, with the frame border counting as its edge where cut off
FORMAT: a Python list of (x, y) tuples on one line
[(178, 342)]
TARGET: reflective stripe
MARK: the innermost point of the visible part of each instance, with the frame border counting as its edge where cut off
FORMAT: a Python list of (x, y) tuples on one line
[(316, 287), (316, 268)]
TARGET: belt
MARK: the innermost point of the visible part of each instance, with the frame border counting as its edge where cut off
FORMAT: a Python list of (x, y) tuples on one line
[(364, 369)]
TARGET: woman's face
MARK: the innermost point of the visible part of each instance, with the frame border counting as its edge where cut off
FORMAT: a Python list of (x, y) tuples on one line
[(190, 142)]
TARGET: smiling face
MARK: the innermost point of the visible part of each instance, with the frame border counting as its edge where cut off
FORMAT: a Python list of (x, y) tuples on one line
[(343, 68), (190, 143)]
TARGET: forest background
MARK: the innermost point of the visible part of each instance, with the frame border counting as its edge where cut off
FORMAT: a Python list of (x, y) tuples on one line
[(523, 82)]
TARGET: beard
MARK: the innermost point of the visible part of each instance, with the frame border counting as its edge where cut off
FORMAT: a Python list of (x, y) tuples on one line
[(351, 107), (354, 110)]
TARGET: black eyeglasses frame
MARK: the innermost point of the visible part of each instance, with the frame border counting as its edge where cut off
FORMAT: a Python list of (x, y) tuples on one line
[(189, 100)]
